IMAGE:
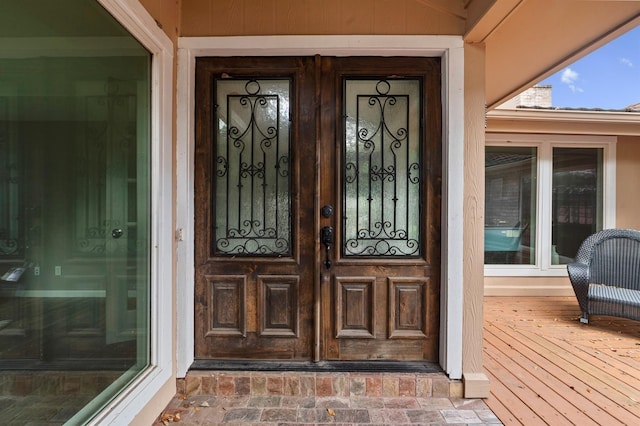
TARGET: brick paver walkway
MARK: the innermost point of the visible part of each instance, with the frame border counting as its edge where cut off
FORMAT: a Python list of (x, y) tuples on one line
[(282, 410), (219, 398)]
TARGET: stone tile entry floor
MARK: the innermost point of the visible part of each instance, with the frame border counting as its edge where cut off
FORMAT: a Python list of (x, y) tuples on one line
[(219, 398), (282, 410)]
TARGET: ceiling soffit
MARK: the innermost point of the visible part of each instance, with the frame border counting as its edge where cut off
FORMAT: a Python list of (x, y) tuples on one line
[(455, 8), (528, 40)]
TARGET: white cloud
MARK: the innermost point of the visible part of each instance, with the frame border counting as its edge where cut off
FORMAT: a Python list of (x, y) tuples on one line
[(570, 77), (627, 62)]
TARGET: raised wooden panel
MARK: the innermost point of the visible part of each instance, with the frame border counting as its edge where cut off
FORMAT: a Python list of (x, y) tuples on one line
[(82, 316), (355, 307), (278, 305), (226, 295), (408, 308)]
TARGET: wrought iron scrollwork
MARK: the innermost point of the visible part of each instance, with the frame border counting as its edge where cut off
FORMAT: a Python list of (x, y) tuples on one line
[(106, 170), (382, 169), (252, 185), (8, 246)]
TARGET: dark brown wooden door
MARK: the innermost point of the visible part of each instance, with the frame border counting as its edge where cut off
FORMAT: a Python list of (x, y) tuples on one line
[(381, 169), (291, 152), (254, 174)]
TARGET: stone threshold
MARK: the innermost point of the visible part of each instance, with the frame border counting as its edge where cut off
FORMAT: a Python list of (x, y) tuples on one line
[(319, 384), (369, 366)]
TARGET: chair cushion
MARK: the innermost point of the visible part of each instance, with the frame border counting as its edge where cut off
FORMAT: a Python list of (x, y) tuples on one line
[(611, 300)]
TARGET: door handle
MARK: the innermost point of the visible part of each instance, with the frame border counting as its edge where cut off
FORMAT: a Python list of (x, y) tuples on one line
[(326, 237)]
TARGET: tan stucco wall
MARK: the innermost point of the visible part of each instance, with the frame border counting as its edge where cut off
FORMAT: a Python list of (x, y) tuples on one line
[(527, 286), (316, 17), (628, 182), (167, 15)]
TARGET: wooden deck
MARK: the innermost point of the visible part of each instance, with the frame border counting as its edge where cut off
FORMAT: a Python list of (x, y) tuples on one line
[(547, 368)]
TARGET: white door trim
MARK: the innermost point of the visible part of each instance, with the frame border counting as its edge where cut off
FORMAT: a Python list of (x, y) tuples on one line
[(449, 48)]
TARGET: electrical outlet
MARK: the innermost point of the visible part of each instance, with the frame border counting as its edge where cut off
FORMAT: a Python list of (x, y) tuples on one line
[(36, 271), (58, 271)]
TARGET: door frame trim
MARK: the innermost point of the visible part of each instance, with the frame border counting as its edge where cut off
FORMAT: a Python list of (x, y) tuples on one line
[(449, 48)]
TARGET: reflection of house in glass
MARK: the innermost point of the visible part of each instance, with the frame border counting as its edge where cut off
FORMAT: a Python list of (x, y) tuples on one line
[(509, 205), (577, 198), (510, 201)]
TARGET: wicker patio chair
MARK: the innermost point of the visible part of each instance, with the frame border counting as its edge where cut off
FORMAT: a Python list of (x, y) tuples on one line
[(606, 274)]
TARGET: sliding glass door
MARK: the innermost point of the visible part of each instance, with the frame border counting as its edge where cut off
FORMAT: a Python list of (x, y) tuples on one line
[(74, 209)]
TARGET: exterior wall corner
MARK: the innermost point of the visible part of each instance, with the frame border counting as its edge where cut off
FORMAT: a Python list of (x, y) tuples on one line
[(474, 113)]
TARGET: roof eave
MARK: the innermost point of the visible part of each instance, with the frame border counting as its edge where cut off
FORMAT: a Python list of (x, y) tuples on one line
[(525, 43), (564, 122)]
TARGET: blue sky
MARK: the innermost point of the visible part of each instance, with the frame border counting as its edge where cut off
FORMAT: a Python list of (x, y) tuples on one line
[(607, 78)]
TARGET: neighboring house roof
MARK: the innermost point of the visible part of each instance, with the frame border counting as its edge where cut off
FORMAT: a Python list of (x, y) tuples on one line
[(518, 115), (539, 97), (634, 107)]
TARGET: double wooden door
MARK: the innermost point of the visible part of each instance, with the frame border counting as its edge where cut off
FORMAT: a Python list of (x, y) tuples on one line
[(317, 199)]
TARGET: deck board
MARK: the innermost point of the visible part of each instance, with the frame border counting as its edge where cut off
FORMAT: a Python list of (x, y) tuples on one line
[(527, 391), (597, 406), (546, 367), (550, 387), (509, 408)]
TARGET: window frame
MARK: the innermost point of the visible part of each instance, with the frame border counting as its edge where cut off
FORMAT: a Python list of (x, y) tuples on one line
[(143, 390), (146, 389), (544, 144)]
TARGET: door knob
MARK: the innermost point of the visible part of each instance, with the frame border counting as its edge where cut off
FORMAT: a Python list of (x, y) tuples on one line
[(327, 211), (117, 233)]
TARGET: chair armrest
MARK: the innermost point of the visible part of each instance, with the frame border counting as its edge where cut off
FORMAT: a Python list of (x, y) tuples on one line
[(579, 277)]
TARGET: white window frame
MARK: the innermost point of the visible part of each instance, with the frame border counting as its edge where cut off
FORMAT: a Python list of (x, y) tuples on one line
[(136, 389), (124, 408), (544, 144)]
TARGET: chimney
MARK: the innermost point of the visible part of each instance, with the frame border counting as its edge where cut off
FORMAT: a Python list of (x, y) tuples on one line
[(538, 96)]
